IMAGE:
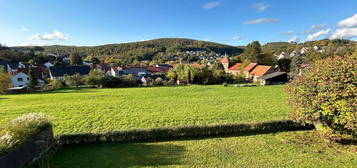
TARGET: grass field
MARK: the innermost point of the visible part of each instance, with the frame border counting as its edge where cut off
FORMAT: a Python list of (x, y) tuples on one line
[(101, 110), (286, 149)]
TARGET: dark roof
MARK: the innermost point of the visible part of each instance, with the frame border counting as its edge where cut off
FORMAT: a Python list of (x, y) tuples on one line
[(16, 65), (272, 75), (59, 71)]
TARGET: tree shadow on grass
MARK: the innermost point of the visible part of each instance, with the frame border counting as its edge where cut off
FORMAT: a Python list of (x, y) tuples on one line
[(117, 155)]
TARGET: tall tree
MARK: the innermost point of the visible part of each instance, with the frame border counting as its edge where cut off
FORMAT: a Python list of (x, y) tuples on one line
[(75, 58), (32, 78), (5, 80), (252, 51)]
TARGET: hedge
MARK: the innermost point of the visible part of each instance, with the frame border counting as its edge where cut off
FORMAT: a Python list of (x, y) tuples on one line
[(186, 132)]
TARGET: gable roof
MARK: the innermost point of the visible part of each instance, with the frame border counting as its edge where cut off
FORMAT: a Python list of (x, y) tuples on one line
[(235, 67), (59, 71), (260, 70), (272, 75), (250, 67)]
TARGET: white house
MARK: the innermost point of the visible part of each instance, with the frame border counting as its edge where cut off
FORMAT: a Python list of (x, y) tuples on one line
[(48, 65), (20, 79)]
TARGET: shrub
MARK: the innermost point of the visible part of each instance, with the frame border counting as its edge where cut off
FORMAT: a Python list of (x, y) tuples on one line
[(129, 80), (20, 129), (159, 81), (111, 81), (54, 84), (327, 95), (94, 78), (5, 80), (73, 80)]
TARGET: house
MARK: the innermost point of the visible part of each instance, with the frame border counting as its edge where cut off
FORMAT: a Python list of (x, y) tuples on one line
[(260, 71), (248, 69), (19, 79), (48, 65), (137, 72), (58, 72), (274, 78), (103, 67), (225, 63), (304, 50), (15, 67), (235, 69)]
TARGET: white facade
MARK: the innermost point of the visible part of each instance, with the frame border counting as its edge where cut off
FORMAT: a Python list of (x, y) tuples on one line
[(48, 65), (20, 80)]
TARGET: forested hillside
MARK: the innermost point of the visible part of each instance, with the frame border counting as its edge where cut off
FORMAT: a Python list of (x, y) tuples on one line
[(166, 49)]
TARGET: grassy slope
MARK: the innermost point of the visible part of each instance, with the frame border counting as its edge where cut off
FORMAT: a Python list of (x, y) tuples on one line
[(287, 149), (96, 110)]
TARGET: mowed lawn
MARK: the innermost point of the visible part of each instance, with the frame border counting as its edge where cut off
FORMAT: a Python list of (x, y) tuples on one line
[(285, 149), (101, 110)]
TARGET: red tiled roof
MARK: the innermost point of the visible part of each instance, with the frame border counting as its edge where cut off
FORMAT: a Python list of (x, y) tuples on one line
[(250, 67), (158, 69), (197, 65), (235, 67), (260, 70), (225, 60)]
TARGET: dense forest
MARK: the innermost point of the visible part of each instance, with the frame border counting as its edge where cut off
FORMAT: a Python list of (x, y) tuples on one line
[(177, 50), (165, 49)]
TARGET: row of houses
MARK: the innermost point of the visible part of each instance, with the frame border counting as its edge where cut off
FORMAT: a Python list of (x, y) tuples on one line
[(257, 73), (20, 77)]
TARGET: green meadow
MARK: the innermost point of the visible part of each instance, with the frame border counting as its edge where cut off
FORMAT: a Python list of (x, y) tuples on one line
[(284, 149), (102, 110)]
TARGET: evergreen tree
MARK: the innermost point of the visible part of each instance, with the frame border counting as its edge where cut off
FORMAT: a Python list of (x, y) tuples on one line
[(32, 78), (75, 58)]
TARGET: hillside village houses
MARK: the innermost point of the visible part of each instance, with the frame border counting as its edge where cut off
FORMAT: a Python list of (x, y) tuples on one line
[(254, 72)]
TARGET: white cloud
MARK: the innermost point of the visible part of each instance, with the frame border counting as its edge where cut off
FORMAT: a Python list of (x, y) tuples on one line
[(349, 22), (294, 39), (344, 33), (317, 34), (237, 37), (56, 35), (24, 29), (261, 20), (211, 5), (290, 32), (317, 27), (261, 6)]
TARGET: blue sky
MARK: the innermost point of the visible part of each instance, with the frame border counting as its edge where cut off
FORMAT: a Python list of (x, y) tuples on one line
[(233, 22)]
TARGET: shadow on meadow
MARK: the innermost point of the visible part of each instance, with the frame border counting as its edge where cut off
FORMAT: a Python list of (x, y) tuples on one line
[(117, 155)]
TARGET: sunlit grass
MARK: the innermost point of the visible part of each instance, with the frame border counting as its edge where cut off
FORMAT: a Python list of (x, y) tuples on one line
[(101, 110)]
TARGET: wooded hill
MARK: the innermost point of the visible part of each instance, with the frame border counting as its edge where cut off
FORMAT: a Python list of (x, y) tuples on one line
[(166, 49)]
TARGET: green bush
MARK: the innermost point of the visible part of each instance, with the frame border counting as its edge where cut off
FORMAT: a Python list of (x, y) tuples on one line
[(111, 81), (327, 95), (54, 84), (20, 129)]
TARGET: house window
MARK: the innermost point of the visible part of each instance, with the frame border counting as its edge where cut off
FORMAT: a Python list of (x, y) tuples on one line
[(20, 85), (19, 79)]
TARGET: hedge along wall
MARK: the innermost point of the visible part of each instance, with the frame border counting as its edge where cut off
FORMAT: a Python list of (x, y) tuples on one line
[(187, 132), (29, 151)]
